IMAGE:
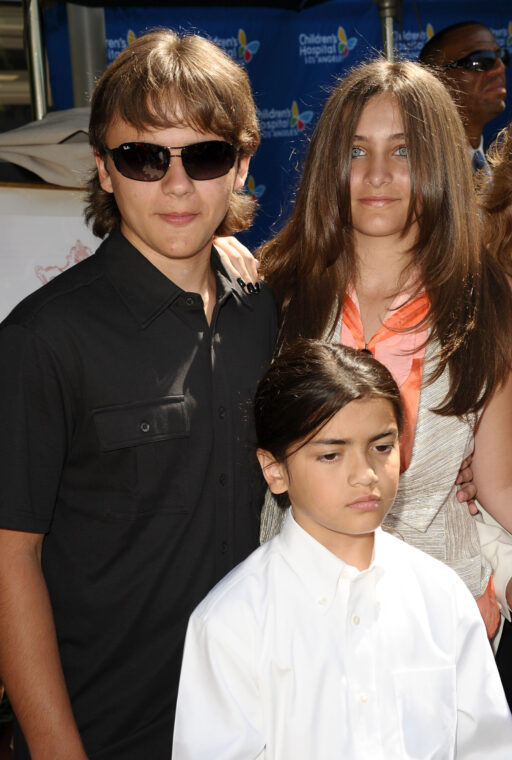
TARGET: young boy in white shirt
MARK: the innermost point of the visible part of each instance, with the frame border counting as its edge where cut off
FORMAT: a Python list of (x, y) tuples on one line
[(336, 639)]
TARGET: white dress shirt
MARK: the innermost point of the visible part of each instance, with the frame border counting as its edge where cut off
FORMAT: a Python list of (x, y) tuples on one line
[(297, 656)]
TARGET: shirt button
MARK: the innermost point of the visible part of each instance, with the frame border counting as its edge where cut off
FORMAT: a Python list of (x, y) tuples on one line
[(322, 602), (224, 547), (222, 478), (222, 412), (189, 301), (363, 698), (144, 427), (356, 620)]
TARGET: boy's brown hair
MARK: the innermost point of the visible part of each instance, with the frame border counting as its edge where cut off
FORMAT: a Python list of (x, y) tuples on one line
[(163, 80)]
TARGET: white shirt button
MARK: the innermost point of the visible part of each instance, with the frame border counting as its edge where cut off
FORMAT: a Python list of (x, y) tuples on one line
[(356, 619), (363, 698), (322, 602)]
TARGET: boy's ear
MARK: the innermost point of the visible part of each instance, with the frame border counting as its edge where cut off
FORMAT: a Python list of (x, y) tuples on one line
[(104, 176), (274, 472), (242, 171)]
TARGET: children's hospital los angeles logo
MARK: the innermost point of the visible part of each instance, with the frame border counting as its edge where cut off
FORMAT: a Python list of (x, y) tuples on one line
[(283, 122), (238, 48), (299, 120), (253, 190), (318, 48), (246, 50)]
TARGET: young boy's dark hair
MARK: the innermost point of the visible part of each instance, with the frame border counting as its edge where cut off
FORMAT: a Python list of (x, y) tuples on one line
[(306, 627), (307, 383), (163, 80)]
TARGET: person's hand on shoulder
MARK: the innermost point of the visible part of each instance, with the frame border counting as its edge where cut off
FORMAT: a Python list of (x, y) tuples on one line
[(238, 261), (467, 489)]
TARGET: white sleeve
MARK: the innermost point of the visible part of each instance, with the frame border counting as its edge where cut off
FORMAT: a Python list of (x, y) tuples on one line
[(496, 546), (484, 722), (218, 712)]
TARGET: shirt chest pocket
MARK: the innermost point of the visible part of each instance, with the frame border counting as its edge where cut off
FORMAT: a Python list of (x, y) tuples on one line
[(145, 456), (426, 702)]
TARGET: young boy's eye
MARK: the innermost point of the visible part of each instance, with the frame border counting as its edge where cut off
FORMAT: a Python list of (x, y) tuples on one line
[(331, 457), (357, 152), (384, 448), (402, 151)]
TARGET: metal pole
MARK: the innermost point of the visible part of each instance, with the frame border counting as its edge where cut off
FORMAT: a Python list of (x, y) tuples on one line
[(86, 28), (35, 59), (388, 11)]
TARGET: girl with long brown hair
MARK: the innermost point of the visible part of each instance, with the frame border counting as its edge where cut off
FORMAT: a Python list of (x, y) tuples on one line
[(383, 252)]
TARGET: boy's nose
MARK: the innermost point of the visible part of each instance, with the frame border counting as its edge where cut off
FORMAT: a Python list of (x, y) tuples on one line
[(176, 180), (362, 472)]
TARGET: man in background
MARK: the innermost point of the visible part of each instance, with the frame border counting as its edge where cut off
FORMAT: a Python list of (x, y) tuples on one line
[(470, 62)]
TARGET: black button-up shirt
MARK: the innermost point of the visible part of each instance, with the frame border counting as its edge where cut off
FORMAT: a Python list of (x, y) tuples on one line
[(127, 439)]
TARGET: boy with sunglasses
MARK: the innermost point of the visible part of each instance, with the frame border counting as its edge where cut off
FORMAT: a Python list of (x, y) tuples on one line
[(470, 62), (127, 490)]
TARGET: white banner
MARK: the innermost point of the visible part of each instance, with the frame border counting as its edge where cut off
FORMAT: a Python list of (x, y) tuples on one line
[(43, 233)]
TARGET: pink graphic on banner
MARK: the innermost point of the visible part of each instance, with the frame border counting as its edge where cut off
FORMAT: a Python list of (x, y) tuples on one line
[(77, 253)]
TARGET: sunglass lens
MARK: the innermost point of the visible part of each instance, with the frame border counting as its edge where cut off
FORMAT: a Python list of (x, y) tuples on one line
[(142, 161), (208, 160), (485, 62), (481, 62)]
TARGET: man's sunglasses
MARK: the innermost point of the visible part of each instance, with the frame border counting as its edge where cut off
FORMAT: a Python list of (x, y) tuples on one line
[(146, 162), (480, 60)]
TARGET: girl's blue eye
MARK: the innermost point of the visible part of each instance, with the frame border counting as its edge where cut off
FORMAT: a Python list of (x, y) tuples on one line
[(356, 152), (402, 151)]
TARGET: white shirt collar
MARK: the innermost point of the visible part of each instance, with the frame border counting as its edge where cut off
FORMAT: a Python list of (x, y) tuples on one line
[(480, 148), (318, 568)]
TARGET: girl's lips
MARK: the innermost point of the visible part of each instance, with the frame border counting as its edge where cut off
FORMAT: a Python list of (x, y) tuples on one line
[(376, 200)]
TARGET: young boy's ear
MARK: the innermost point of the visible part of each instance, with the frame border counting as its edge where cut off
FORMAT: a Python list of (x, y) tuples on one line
[(274, 472)]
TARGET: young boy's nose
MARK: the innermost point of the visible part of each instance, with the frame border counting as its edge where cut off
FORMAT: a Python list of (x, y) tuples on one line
[(361, 471)]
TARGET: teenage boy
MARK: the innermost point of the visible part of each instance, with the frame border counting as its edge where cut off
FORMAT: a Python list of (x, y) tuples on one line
[(127, 491), (335, 639)]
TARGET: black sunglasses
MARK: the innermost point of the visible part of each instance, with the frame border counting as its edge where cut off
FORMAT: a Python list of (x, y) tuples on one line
[(146, 162), (480, 60)]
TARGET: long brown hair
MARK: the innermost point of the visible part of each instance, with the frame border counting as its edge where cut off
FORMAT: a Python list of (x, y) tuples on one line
[(163, 80), (312, 260), (495, 199)]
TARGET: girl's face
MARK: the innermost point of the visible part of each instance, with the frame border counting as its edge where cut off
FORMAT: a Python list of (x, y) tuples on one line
[(380, 182), (342, 482)]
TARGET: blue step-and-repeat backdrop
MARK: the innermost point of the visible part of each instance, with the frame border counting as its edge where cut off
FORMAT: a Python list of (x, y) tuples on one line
[(293, 58)]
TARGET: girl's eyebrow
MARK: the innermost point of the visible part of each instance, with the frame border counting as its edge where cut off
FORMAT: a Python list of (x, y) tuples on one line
[(395, 136)]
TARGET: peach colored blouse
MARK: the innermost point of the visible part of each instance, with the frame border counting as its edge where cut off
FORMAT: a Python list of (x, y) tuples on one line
[(402, 353)]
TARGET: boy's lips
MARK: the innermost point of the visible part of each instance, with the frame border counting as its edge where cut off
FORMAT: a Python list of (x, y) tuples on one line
[(365, 503), (178, 219)]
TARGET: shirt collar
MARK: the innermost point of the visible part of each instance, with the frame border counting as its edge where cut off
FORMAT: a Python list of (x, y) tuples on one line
[(480, 148), (144, 289), (319, 569)]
